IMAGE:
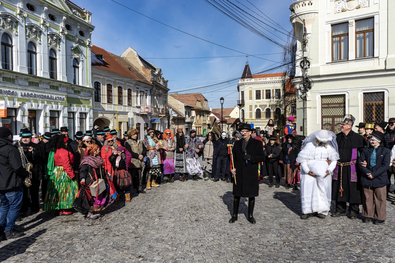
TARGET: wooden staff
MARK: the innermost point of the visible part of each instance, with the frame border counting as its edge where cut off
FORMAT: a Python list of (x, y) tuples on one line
[(232, 165)]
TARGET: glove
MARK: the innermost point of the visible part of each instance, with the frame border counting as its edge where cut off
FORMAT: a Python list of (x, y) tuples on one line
[(247, 157)]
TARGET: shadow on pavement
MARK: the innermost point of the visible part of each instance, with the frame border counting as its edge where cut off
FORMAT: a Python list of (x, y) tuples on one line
[(19, 246), (290, 200), (38, 220), (228, 201)]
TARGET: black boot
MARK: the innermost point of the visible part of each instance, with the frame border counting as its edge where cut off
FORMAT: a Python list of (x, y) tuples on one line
[(236, 202), (251, 204)]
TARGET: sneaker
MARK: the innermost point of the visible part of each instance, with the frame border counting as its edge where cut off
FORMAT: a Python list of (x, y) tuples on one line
[(13, 234)]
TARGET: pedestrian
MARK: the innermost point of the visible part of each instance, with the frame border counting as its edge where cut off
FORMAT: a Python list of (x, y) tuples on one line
[(272, 152), (208, 155), (106, 131), (361, 129), (222, 159), (317, 159), (289, 153), (290, 126), (62, 185), (247, 153), (55, 132), (369, 129), (153, 154), (44, 143), (180, 161), (110, 144), (114, 134), (35, 155), (168, 155), (193, 147), (125, 138), (389, 138), (270, 128), (346, 184), (138, 151), (12, 175), (373, 163), (380, 127), (100, 138), (120, 161)]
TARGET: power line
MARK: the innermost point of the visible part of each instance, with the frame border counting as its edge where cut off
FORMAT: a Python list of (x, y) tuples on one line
[(235, 56)]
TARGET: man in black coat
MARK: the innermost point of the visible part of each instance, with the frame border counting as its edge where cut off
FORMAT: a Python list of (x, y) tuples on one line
[(247, 153), (373, 163), (221, 157), (272, 151), (11, 181), (389, 138), (46, 149)]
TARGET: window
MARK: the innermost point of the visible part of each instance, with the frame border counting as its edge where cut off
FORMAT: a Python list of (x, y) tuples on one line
[(31, 58), (70, 124), (364, 35), (68, 27), (293, 109), (97, 91), (76, 69), (54, 119), (52, 64), (340, 42), (52, 17), (142, 103), (6, 52), (268, 113), (258, 114), (109, 93), (257, 94), (277, 114), (268, 94), (10, 121), (137, 98), (129, 97), (333, 109), (120, 96), (30, 7), (277, 94), (373, 107), (83, 122), (81, 33)]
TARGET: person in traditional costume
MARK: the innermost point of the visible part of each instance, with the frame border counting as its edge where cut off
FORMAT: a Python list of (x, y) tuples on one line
[(62, 186), (290, 126), (247, 153), (317, 159), (270, 128), (289, 153), (138, 151), (373, 164), (110, 145), (208, 157), (168, 155), (180, 165), (152, 144), (193, 147), (346, 184), (120, 160), (361, 128)]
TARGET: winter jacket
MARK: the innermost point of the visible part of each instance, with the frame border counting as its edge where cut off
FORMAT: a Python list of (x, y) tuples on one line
[(379, 171), (65, 159), (274, 150), (12, 173), (389, 139), (36, 157), (87, 173), (106, 159)]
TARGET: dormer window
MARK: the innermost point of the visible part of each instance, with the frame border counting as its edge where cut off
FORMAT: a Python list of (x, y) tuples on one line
[(81, 33), (52, 17), (68, 27), (30, 7)]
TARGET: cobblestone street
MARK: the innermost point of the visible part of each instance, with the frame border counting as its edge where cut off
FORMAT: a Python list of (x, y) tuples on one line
[(188, 222)]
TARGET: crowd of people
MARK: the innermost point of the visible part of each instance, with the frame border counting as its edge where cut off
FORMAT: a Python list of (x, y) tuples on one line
[(96, 169)]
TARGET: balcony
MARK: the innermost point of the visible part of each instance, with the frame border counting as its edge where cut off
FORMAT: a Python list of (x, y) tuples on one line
[(189, 119), (146, 110), (240, 103)]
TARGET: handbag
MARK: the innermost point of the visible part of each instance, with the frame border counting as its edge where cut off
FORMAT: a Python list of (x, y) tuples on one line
[(97, 187), (81, 203), (124, 180)]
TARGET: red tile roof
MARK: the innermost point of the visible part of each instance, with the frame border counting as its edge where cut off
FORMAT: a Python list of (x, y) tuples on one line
[(268, 75), (218, 115), (190, 98), (227, 111)]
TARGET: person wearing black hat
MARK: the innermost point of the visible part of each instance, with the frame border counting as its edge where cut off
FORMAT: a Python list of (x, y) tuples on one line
[(55, 132), (247, 153), (64, 130), (373, 163), (289, 153), (106, 131), (100, 135), (346, 183), (272, 151), (11, 191), (78, 139), (46, 149), (35, 155), (88, 133), (380, 126), (125, 138), (361, 128)]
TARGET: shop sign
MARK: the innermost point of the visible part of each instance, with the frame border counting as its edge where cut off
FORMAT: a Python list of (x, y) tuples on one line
[(31, 95), (154, 120), (3, 109)]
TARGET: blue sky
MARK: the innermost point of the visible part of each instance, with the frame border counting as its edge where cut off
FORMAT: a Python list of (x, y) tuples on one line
[(117, 28)]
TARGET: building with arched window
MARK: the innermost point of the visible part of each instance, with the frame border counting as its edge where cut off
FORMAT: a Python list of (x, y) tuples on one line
[(45, 66)]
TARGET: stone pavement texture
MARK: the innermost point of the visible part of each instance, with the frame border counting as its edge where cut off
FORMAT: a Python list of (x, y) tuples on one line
[(188, 222)]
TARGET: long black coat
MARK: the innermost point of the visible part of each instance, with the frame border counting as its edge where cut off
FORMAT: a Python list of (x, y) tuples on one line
[(379, 172), (247, 173)]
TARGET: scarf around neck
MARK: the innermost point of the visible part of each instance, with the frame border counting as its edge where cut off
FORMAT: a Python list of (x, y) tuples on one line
[(94, 161)]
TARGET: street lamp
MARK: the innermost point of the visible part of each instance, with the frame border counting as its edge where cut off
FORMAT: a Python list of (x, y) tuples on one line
[(221, 100)]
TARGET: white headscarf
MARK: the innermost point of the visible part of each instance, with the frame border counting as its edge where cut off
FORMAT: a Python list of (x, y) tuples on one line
[(324, 136)]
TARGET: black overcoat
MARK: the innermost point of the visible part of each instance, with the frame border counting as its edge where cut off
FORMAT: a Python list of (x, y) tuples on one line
[(247, 173)]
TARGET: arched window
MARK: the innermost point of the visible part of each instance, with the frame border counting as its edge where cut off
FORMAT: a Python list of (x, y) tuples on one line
[(109, 93), (97, 91), (52, 64), (6, 52), (258, 114), (268, 113), (120, 95), (76, 69), (277, 114), (129, 97), (31, 58)]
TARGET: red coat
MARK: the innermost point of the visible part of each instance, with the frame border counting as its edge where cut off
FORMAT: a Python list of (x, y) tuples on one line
[(106, 159), (65, 159)]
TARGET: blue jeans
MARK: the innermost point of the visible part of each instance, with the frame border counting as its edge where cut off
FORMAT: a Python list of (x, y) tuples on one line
[(11, 203)]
